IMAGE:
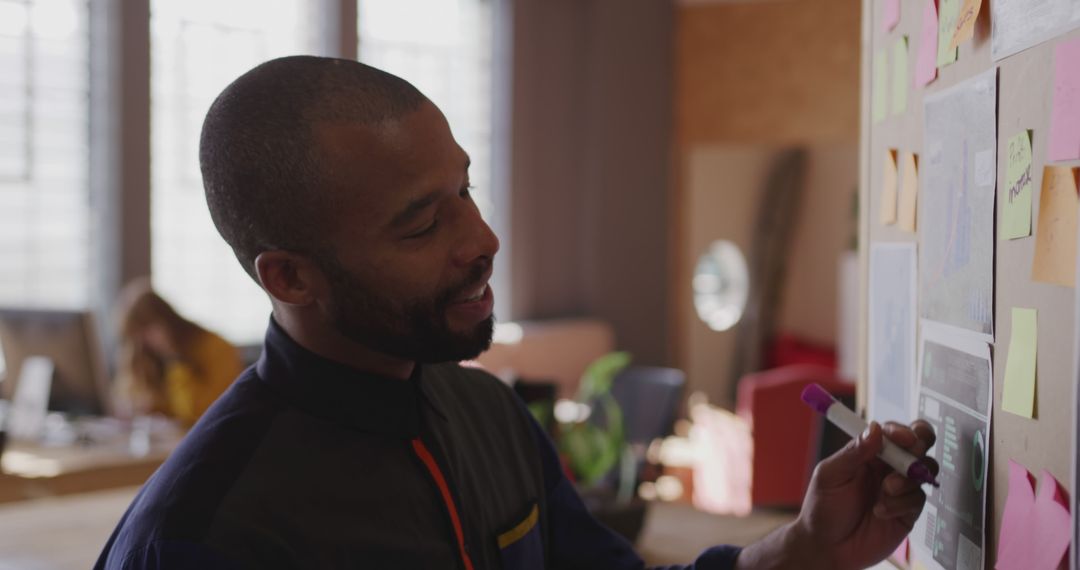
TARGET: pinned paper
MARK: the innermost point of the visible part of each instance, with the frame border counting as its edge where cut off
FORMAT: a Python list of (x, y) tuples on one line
[(1055, 240), (890, 14), (888, 188), (926, 62), (1016, 194), (900, 75), (1019, 392), (1065, 115), (881, 80), (1035, 529), (964, 29), (948, 14), (909, 191)]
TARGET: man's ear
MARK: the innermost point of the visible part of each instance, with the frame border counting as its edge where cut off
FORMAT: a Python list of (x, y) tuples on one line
[(289, 278)]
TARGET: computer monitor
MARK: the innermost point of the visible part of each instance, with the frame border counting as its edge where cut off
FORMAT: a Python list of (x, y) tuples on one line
[(70, 340)]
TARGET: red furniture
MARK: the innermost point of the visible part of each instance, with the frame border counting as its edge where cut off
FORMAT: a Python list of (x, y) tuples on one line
[(785, 431)]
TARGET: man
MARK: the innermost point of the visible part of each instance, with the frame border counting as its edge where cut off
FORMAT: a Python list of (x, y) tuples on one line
[(355, 442)]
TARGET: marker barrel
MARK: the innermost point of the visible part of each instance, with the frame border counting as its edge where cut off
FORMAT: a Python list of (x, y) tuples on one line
[(853, 425)]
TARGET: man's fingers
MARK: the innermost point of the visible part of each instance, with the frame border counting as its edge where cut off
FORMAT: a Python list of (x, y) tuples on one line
[(932, 464), (842, 466), (916, 438), (925, 432), (904, 505), (900, 434), (896, 485)]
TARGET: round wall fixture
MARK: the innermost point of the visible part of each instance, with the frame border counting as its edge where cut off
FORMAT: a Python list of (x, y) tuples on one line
[(721, 285)]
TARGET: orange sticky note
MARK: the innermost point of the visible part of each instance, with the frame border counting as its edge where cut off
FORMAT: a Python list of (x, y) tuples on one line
[(965, 23), (1055, 235), (909, 191), (888, 188)]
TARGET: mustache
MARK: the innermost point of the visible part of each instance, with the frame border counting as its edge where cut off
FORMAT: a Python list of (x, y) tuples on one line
[(475, 277)]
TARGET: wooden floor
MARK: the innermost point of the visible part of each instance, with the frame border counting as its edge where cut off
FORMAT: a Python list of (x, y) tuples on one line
[(65, 533)]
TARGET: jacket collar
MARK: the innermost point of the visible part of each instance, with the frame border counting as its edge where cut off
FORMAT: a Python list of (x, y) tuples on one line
[(339, 393)]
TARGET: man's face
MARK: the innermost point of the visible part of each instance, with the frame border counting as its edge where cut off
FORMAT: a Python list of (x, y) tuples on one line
[(411, 255)]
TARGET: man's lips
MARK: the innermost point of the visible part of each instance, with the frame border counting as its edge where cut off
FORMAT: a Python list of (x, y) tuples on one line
[(475, 292)]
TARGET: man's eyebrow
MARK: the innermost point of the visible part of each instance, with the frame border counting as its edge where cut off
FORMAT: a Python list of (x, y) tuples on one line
[(414, 207), (417, 205)]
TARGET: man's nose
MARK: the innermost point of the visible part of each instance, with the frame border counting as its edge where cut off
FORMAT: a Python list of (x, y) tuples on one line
[(479, 241)]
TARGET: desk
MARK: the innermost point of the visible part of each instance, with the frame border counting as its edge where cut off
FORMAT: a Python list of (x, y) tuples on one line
[(31, 471)]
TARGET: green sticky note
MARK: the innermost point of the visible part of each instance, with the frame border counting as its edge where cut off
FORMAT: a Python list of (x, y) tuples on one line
[(900, 76), (881, 81), (948, 12), (1016, 193), (1019, 392)]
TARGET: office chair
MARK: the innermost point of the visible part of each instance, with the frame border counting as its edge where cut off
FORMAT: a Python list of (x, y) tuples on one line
[(649, 398)]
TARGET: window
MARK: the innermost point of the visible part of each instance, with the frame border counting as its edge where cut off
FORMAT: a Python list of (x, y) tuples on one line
[(44, 198), (447, 55), (199, 47)]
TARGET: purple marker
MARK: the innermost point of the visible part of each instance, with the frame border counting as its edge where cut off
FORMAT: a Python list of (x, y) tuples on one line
[(903, 462)]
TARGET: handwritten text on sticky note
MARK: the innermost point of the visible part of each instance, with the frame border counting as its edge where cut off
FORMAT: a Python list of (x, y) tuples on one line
[(948, 14), (1017, 191)]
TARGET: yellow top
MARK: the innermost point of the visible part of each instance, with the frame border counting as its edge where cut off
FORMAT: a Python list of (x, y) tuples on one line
[(192, 386)]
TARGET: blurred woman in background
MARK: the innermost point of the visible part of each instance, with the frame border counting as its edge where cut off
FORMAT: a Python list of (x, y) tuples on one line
[(168, 364)]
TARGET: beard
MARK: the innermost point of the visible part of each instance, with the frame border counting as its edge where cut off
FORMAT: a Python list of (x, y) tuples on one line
[(415, 329)]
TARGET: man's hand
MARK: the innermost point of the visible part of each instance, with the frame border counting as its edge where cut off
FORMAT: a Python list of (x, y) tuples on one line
[(857, 510)]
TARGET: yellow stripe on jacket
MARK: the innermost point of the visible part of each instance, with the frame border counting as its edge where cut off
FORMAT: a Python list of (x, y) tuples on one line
[(513, 535)]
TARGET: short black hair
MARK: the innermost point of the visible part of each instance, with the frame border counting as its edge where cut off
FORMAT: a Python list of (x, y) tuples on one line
[(264, 178)]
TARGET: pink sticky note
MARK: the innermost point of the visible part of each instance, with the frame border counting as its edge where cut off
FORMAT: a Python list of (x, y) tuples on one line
[(1065, 116), (1018, 505), (1051, 528), (890, 15), (926, 64), (1035, 530), (901, 554)]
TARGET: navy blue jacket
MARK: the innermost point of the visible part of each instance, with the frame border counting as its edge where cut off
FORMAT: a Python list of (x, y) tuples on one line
[(307, 463)]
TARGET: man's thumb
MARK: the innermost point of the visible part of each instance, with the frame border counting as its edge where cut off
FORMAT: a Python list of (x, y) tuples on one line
[(842, 466)]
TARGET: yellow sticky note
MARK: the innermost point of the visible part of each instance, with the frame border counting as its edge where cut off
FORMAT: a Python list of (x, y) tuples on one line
[(948, 14), (888, 188), (1019, 391), (900, 75), (881, 84), (909, 191), (1055, 239), (964, 29), (1016, 193)]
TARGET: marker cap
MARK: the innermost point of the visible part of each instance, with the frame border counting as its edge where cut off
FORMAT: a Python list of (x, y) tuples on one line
[(816, 397)]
